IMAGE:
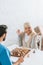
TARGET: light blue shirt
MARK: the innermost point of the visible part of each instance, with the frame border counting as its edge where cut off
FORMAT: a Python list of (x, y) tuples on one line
[(4, 56)]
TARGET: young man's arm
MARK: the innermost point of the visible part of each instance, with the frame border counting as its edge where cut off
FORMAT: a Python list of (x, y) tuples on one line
[(4, 58)]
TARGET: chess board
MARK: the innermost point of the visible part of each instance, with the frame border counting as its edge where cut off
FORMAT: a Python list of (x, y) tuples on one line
[(18, 52)]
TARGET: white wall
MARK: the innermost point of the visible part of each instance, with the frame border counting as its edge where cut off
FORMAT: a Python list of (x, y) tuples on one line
[(14, 13)]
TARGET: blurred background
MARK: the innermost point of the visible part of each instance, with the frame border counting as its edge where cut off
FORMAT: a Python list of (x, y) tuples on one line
[(14, 13)]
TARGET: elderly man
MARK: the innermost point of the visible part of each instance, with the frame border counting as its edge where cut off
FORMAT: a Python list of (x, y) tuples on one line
[(4, 52), (28, 38)]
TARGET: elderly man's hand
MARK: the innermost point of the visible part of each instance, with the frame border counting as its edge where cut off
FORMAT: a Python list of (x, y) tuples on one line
[(18, 32), (20, 60)]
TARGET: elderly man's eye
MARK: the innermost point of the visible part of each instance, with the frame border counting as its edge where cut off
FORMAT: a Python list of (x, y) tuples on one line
[(25, 28)]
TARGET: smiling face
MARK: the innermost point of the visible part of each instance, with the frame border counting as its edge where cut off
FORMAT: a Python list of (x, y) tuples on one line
[(27, 28), (29, 31)]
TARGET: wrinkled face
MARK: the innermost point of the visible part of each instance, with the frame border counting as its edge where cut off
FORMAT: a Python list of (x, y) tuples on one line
[(27, 30)]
